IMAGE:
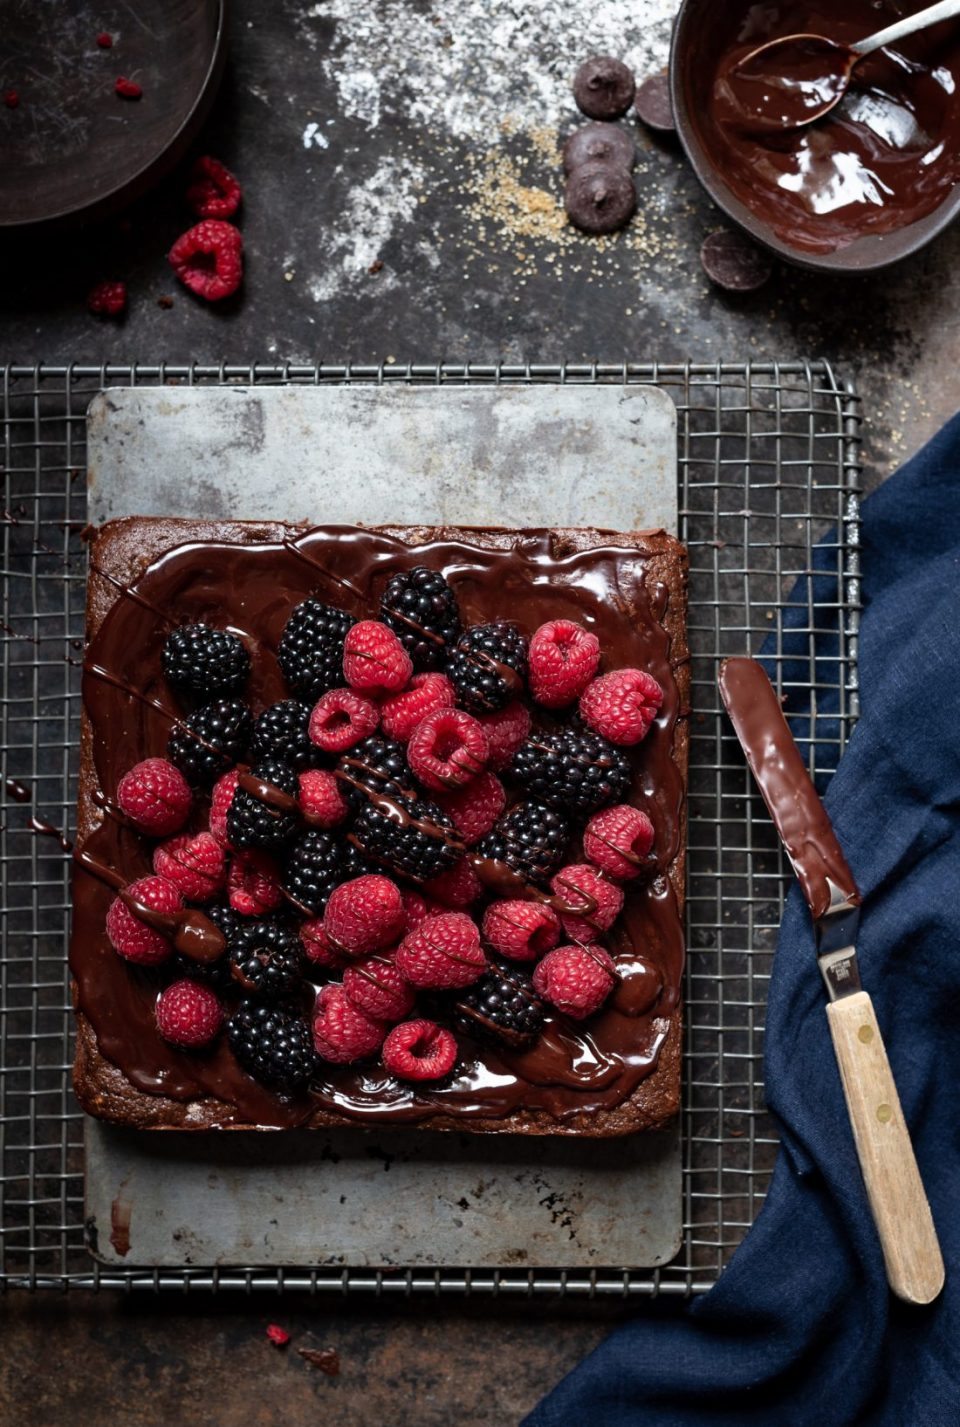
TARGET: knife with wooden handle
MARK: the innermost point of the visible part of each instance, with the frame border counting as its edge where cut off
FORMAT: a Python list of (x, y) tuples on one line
[(894, 1188)]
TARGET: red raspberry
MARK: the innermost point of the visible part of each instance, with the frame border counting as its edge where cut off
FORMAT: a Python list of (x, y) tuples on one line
[(12, 99), (107, 299), (127, 88), (131, 937), (377, 987), (476, 807), (444, 951), (220, 800), (456, 888), (415, 908), (214, 191), (594, 902), (419, 1050), (253, 883), (155, 796), (374, 658), (277, 1335), (505, 732), (575, 979), (521, 930), (342, 1032), (622, 705), (618, 840), (563, 659), (188, 1014), (364, 915), (208, 259), (317, 946), (197, 865), (427, 694), (447, 749), (321, 801), (340, 719), (105, 40)]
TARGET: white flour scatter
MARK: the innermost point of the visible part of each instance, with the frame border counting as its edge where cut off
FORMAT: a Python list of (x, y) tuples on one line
[(374, 209)]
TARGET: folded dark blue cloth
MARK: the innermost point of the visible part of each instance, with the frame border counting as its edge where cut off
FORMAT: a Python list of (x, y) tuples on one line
[(801, 1328)]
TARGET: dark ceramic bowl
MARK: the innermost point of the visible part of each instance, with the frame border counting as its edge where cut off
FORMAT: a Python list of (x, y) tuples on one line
[(864, 255)]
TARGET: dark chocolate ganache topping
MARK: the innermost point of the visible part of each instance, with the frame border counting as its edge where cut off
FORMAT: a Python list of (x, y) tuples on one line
[(573, 1068)]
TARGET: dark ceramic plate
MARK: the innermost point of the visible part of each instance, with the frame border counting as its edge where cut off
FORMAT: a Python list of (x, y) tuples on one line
[(72, 146)]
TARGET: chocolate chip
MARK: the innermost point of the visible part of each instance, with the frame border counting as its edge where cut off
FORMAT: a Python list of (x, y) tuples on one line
[(600, 198), (603, 87), (732, 260), (653, 104), (599, 144)]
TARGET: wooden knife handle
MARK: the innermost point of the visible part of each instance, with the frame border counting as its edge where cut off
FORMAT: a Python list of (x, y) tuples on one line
[(894, 1187)]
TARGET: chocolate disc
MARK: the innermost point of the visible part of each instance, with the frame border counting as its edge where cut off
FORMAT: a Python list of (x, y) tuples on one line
[(600, 198), (599, 144), (653, 104), (734, 261), (603, 87)]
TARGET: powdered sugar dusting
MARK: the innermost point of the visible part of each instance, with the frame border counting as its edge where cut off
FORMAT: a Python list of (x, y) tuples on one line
[(374, 209)]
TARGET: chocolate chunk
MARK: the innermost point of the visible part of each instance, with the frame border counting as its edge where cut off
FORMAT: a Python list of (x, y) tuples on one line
[(599, 144), (600, 198), (732, 260), (653, 104), (603, 87)]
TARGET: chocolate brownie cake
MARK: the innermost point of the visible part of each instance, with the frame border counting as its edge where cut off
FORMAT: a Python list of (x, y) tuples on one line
[(213, 652)]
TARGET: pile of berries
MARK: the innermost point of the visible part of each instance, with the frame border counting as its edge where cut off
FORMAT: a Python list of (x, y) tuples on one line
[(386, 852)]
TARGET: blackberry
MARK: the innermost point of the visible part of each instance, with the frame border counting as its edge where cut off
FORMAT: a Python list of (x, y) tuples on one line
[(252, 821), (379, 764), (420, 843), (531, 839), (488, 666), (210, 741), (281, 732), (574, 769), (316, 863), (273, 1044), (206, 661), (421, 609), (502, 1006), (215, 974), (265, 960), (310, 652)]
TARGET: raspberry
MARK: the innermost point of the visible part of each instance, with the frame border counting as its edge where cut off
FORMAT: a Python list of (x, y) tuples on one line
[(521, 930), (129, 936), (456, 888), (377, 987), (415, 909), (594, 903), (364, 915), (196, 865), (341, 718), (205, 661), (220, 801), (11, 98), (488, 665), (127, 88), (107, 299), (563, 659), (421, 608), (342, 1033), (374, 658), (253, 884), (321, 801), (155, 796), (208, 259), (475, 808), (444, 951), (317, 947), (447, 749), (419, 1050), (426, 694), (505, 732), (576, 979), (621, 706), (618, 840), (214, 191), (188, 1014), (277, 1335), (105, 40)]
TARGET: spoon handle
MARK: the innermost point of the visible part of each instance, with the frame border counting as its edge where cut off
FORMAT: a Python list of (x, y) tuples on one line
[(946, 10)]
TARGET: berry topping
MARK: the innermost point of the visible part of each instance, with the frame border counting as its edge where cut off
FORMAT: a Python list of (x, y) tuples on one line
[(521, 930), (594, 903), (215, 974), (426, 694), (505, 732), (621, 706), (188, 1014), (377, 765), (576, 979), (196, 865), (220, 801), (421, 609), (488, 665), (409, 837), (377, 987), (272, 1044), (132, 938), (127, 88), (265, 960), (475, 808), (208, 259), (503, 1006), (415, 908), (321, 799), (444, 951), (210, 740), (155, 796), (105, 40), (281, 732), (618, 840), (205, 661), (342, 1033), (419, 1050), (457, 888), (574, 769), (253, 884), (316, 863), (563, 659), (531, 840), (277, 1335), (310, 652), (214, 192), (364, 915), (11, 97), (342, 718), (259, 815), (374, 658), (317, 946), (107, 299), (447, 749)]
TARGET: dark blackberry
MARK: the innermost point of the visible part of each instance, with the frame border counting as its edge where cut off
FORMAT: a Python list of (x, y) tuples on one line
[(488, 666), (273, 1044), (316, 863), (281, 732), (410, 836), (502, 1006), (531, 839), (310, 652), (379, 764), (421, 608), (206, 661), (214, 973), (265, 960), (575, 769), (253, 821), (210, 741)]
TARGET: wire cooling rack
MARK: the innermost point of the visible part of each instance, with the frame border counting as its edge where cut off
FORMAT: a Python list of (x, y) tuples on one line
[(769, 472)]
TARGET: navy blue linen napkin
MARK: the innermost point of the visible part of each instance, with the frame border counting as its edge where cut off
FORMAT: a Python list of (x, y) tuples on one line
[(801, 1328)]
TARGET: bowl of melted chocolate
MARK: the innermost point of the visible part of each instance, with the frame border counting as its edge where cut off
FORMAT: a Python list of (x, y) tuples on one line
[(867, 184)]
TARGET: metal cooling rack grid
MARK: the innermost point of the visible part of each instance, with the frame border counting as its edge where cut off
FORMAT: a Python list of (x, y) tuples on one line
[(768, 464)]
